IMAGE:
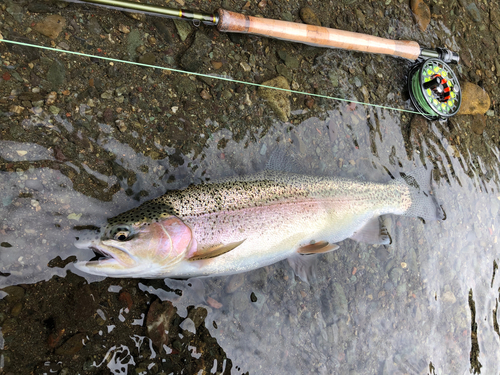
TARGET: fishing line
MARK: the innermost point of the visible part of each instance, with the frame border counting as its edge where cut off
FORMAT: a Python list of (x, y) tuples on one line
[(204, 75)]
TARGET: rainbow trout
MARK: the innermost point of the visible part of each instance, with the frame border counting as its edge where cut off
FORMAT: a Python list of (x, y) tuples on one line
[(236, 225)]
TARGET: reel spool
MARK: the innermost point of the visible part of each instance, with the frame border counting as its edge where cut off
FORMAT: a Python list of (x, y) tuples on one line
[(434, 89)]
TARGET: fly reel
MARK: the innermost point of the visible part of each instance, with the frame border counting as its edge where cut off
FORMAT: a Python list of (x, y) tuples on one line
[(434, 88)]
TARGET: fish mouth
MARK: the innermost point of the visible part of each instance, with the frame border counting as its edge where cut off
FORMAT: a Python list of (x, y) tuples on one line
[(108, 261)]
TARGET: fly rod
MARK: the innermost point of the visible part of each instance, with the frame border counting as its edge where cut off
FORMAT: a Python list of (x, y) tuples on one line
[(433, 87)]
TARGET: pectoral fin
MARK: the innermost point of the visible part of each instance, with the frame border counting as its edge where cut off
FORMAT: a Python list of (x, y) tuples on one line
[(214, 251), (373, 233), (317, 248)]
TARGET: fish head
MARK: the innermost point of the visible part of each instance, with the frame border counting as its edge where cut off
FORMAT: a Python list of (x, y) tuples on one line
[(140, 249)]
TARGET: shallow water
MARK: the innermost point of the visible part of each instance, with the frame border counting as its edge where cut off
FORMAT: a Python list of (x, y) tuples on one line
[(424, 304)]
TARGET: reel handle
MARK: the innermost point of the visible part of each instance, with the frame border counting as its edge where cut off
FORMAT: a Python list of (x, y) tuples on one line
[(315, 35)]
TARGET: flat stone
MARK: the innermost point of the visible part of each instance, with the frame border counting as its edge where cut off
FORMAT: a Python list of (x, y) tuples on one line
[(276, 99), (158, 322), (14, 293), (183, 29), (478, 124), (235, 283), (56, 74), (192, 60), (51, 26), (308, 16), (148, 58), (72, 346), (475, 101), (422, 13), (448, 297)]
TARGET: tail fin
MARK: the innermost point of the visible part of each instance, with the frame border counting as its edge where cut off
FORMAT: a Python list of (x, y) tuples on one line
[(423, 203)]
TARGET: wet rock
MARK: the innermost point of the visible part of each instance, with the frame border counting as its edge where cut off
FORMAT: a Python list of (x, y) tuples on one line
[(16, 11), (448, 297), (421, 13), (474, 12), (475, 101), (235, 283), (197, 315), (495, 17), (308, 16), (148, 58), (188, 325), (56, 74), (214, 303), (141, 17), (395, 275), (205, 95), (93, 26), (133, 41), (162, 29), (159, 320), (240, 301), (192, 60), (126, 299), (14, 293), (216, 64), (16, 309), (276, 99), (339, 300), (183, 29), (60, 263), (72, 346), (183, 85), (290, 61), (51, 26), (39, 8), (478, 124)]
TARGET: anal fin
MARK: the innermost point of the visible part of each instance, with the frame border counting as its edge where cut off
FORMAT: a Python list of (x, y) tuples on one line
[(317, 248), (214, 251), (373, 233)]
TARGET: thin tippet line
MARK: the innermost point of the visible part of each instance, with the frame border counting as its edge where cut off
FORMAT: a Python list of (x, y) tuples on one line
[(203, 75)]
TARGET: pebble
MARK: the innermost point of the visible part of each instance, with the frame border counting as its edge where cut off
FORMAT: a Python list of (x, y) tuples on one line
[(278, 100), (478, 124), (449, 297), (124, 29), (107, 94), (235, 283), (16, 109), (213, 303), (120, 124), (14, 293), (72, 346), (148, 58), (56, 74), (51, 26), (192, 59), (474, 12), (205, 94), (51, 98), (339, 300), (216, 64), (183, 29), (308, 16), (475, 101), (422, 13)]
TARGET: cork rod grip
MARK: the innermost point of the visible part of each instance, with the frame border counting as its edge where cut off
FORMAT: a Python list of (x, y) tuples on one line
[(315, 35)]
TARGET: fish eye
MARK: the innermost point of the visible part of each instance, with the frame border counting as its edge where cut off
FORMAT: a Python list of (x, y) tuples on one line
[(122, 235)]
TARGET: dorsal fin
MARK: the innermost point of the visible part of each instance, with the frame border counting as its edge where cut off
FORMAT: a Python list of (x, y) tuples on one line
[(317, 248), (214, 251)]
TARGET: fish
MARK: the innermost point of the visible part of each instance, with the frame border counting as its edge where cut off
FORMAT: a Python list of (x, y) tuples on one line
[(239, 224)]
